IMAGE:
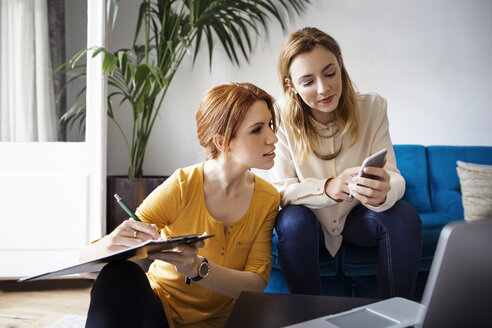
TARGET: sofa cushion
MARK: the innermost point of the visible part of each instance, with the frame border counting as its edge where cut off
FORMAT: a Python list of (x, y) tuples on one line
[(412, 163), (476, 188), (444, 182), (436, 220)]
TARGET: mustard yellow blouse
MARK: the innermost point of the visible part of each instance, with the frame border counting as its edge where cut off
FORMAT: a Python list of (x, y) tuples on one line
[(178, 207)]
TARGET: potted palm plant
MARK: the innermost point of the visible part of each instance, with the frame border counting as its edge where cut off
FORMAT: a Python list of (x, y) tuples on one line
[(166, 31)]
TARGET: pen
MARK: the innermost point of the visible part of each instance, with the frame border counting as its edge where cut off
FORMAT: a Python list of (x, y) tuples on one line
[(123, 205)]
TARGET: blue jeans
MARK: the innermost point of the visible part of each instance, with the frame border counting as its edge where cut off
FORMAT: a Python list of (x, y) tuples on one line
[(397, 232)]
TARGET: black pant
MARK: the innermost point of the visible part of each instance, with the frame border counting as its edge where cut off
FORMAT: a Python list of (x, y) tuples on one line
[(122, 297)]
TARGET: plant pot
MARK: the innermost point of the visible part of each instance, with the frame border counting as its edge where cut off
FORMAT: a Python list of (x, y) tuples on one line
[(132, 191)]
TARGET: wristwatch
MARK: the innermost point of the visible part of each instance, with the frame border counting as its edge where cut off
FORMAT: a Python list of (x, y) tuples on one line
[(203, 271)]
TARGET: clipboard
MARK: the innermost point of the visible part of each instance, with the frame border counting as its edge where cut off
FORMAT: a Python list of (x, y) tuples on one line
[(138, 252)]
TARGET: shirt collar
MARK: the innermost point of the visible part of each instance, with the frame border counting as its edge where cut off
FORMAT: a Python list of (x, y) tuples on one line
[(321, 126)]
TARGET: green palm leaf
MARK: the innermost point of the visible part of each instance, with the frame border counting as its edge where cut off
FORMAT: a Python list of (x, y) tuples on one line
[(141, 75)]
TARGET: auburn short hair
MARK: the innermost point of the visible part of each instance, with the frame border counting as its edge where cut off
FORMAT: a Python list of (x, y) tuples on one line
[(223, 109)]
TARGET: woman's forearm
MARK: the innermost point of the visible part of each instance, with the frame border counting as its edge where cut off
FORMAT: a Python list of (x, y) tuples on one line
[(232, 282)]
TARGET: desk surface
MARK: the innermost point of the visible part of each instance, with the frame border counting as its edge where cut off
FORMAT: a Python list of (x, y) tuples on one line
[(270, 310)]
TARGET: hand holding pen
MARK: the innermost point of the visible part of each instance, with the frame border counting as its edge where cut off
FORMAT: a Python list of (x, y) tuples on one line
[(133, 229), (183, 257), (129, 233)]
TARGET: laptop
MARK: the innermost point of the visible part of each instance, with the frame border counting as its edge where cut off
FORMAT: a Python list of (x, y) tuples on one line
[(458, 292)]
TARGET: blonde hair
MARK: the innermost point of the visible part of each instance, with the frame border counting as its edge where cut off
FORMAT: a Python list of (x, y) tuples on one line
[(295, 112), (223, 109)]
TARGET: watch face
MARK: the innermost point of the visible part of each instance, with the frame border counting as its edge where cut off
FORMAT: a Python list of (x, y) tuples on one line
[(204, 269)]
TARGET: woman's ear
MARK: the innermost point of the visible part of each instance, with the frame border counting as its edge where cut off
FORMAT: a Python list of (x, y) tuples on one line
[(219, 142), (290, 85)]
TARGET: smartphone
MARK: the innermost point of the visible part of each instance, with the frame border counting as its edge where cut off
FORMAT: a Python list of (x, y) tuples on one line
[(375, 160)]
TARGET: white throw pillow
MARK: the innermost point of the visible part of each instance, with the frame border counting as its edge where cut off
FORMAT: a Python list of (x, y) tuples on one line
[(476, 189)]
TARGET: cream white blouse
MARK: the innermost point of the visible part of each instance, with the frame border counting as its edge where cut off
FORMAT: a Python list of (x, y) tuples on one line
[(303, 184)]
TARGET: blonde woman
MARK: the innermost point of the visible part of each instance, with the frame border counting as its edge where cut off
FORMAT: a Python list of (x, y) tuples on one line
[(327, 131)]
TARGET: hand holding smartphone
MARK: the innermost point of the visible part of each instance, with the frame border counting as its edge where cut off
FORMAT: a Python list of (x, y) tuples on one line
[(375, 160)]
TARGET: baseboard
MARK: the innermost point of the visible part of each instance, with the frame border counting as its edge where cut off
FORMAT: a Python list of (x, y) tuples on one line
[(12, 285)]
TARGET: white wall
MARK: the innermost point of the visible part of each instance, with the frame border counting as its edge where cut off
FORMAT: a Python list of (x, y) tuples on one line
[(430, 59)]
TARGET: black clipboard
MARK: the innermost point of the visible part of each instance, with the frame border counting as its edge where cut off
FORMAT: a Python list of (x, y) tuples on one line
[(138, 252)]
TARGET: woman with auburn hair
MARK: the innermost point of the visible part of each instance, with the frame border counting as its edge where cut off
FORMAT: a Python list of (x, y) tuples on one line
[(326, 133), (196, 285)]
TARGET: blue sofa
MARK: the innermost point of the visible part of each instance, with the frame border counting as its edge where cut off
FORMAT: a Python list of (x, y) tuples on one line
[(432, 187)]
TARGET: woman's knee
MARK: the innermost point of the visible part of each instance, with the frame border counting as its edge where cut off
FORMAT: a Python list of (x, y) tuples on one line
[(407, 213), (402, 220), (116, 275), (122, 269), (296, 219)]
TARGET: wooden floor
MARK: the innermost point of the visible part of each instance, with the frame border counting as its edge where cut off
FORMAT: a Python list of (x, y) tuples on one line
[(40, 303)]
